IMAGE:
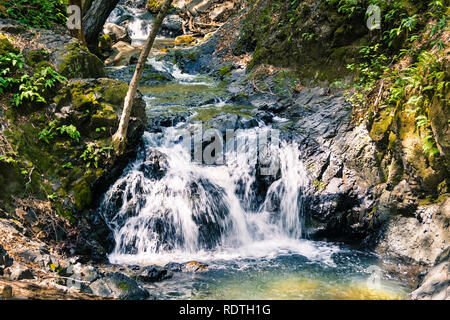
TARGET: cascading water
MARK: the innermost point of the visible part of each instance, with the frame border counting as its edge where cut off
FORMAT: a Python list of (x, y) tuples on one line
[(138, 22), (167, 204)]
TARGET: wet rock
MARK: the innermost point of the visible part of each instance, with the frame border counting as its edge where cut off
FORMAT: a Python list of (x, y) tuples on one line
[(150, 75), (119, 286), (195, 266), (155, 165), (153, 274), (139, 4), (83, 272), (174, 267), (122, 54)]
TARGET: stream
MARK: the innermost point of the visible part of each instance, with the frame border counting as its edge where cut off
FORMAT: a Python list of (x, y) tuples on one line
[(173, 204)]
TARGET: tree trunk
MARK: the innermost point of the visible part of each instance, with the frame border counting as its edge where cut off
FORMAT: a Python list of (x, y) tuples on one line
[(119, 138), (78, 33), (94, 19)]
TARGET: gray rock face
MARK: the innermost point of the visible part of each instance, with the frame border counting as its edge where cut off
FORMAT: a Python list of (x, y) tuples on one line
[(419, 239), (118, 286)]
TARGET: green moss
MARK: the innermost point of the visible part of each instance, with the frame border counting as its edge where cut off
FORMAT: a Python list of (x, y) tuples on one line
[(6, 46), (34, 57), (379, 131), (124, 286), (154, 77), (82, 100), (114, 91), (154, 5), (319, 185), (225, 71), (184, 55), (105, 42), (11, 180), (392, 140), (82, 194)]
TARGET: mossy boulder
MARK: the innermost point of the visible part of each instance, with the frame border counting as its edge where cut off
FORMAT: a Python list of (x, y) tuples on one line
[(75, 61), (95, 106)]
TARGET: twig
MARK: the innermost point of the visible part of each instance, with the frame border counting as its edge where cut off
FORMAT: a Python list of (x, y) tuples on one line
[(379, 93), (67, 278), (29, 178)]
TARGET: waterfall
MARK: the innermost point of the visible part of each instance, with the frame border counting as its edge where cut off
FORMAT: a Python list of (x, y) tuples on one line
[(167, 204), (138, 22)]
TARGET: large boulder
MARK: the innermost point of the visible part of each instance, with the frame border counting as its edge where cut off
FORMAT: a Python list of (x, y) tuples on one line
[(419, 239), (75, 61), (104, 99)]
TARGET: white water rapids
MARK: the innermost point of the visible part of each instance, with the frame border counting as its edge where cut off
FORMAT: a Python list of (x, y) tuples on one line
[(194, 211)]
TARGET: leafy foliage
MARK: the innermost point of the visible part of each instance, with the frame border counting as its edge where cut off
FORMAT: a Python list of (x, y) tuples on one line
[(92, 154), (27, 85), (35, 13), (53, 130)]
